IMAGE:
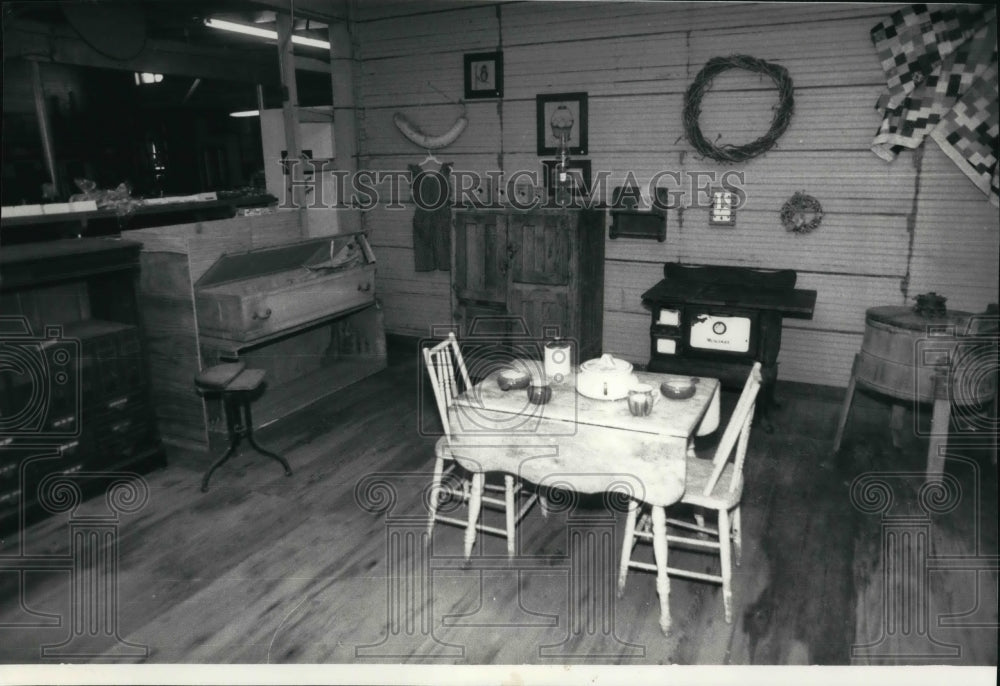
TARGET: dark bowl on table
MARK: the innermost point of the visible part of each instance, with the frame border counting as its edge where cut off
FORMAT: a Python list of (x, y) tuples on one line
[(512, 379), (678, 389)]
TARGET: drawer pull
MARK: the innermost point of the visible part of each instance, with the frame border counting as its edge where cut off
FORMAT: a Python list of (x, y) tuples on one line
[(365, 287), (262, 314)]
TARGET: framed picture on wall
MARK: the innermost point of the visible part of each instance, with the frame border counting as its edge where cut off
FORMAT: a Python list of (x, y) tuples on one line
[(579, 176), (561, 114), (483, 75)]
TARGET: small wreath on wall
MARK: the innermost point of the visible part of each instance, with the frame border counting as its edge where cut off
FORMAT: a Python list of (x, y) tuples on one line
[(801, 213), (703, 82)]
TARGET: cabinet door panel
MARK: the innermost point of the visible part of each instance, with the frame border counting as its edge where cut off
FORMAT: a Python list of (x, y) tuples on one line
[(479, 242), (540, 247), (542, 308)]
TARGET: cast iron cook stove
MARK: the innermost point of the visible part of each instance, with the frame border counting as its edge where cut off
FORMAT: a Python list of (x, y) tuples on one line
[(717, 321)]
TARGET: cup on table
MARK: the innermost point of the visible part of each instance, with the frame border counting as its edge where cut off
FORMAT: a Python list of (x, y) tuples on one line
[(640, 400), (539, 392)]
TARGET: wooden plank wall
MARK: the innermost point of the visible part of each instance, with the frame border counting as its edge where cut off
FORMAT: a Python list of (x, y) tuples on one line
[(890, 231)]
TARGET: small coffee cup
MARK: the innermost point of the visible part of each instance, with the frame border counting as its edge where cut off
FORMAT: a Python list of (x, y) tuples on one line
[(640, 400), (539, 394)]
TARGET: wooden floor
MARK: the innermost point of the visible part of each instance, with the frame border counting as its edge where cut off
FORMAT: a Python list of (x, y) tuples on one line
[(326, 566)]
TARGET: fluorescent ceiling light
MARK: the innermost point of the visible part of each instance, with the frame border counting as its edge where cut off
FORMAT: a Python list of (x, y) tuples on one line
[(224, 25), (245, 113), (147, 77)]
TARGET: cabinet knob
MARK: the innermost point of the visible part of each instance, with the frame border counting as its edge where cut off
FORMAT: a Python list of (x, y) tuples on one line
[(364, 288), (262, 314)]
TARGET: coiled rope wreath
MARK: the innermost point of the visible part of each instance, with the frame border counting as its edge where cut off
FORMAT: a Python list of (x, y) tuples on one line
[(703, 82)]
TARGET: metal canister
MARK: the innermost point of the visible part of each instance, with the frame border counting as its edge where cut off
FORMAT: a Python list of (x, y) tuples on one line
[(558, 359)]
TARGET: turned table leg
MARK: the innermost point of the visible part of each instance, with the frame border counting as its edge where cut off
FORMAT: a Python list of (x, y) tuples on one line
[(628, 540), (660, 553)]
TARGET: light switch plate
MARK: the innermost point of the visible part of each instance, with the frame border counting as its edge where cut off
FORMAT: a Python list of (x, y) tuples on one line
[(722, 212)]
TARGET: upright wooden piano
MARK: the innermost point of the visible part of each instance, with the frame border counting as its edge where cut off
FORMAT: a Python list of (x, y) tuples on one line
[(305, 311)]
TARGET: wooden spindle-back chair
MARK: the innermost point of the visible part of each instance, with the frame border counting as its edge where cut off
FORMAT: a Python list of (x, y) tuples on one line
[(706, 488), (449, 378)]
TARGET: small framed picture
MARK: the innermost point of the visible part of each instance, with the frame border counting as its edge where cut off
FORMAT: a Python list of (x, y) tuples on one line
[(483, 75), (578, 172), (560, 114)]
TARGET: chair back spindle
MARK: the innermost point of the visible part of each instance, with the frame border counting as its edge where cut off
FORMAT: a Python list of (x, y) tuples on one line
[(737, 434), (442, 361)]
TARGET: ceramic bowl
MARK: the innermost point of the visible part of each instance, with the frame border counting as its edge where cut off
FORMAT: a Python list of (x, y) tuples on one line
[(605, 378), (678, 389), (512, 379)]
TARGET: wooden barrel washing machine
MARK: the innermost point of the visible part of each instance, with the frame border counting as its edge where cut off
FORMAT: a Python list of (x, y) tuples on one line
[(928, 355)]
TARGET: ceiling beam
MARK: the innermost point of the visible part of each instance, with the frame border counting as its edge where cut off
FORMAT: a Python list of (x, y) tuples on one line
[(41, 42), (328, 11)]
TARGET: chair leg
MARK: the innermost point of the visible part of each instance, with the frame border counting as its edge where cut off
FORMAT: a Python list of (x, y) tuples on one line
[(432, 506), (660, 553), (475, 504), (845, 409), (737, 525), (510, 513), (725, 552), (633, 509)]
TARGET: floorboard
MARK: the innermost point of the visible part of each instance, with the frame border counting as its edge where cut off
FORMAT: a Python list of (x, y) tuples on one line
[(328, 566)]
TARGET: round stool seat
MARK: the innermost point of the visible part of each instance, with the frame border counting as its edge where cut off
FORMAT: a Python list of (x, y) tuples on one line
[(236, 384), (218, 377), (246, 381)]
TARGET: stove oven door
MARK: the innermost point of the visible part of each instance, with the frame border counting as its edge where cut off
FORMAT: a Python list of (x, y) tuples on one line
[(716, 332)]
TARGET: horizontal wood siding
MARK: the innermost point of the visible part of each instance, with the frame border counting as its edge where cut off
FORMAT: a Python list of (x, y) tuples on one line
[(956, 243), (890, 230)]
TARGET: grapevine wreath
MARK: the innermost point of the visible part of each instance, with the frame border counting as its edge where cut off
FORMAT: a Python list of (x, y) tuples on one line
[(801, 213), (703, 82)]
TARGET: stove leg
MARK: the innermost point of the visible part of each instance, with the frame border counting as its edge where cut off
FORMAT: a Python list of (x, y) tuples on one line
[(764, 417), (767, 400)]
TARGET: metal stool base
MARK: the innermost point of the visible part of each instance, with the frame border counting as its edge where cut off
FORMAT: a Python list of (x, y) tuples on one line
[(239, 425)]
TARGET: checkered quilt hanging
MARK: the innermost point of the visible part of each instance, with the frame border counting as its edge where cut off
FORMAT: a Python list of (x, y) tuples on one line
[(941, 69)]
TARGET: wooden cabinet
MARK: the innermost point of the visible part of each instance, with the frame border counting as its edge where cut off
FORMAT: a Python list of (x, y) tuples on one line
[(545, 267), (74, 383)]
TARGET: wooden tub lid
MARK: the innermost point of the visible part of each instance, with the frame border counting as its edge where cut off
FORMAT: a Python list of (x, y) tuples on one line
[(905, 318)]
